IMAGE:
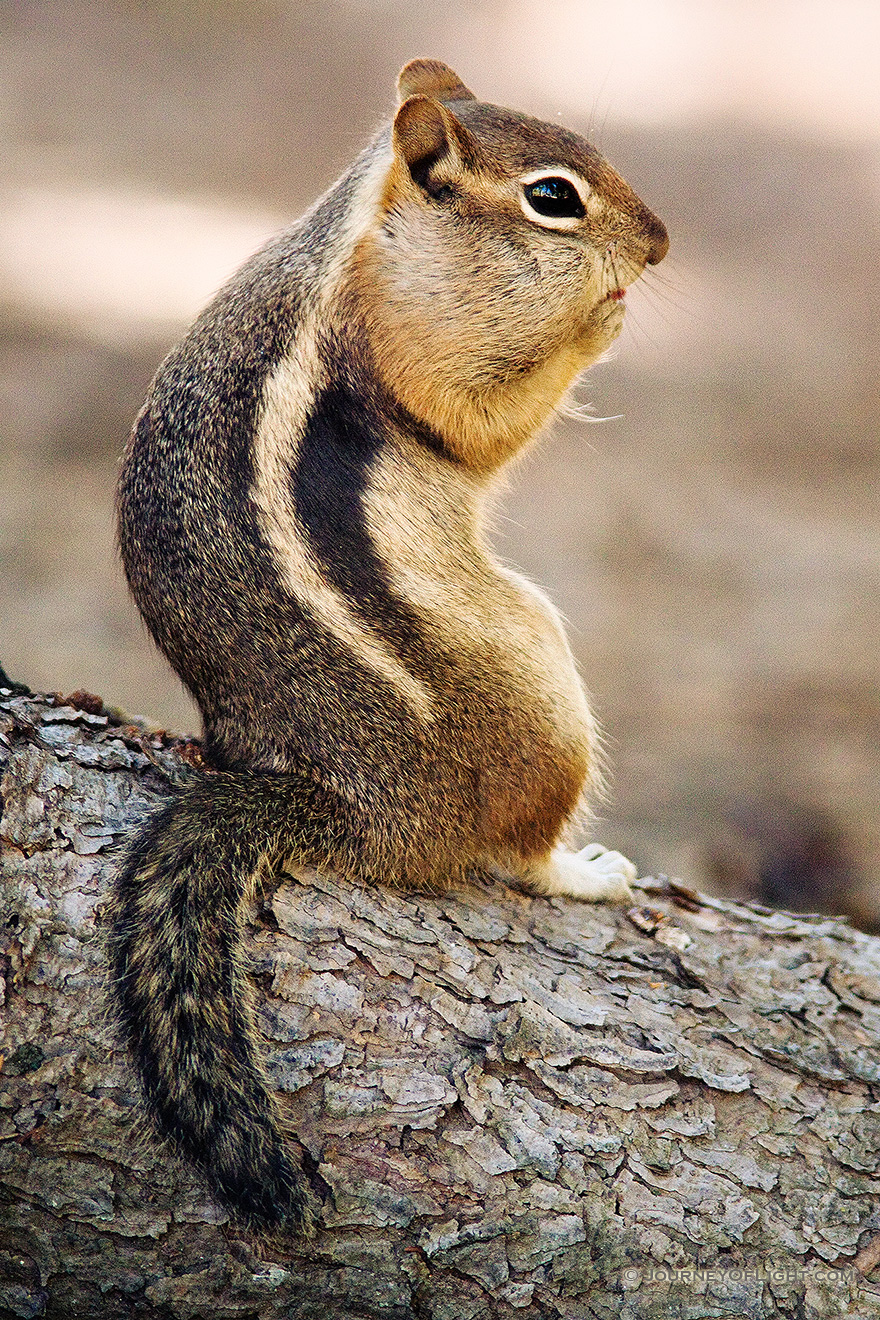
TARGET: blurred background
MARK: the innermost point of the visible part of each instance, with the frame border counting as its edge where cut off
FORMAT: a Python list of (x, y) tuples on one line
[(715, 546)]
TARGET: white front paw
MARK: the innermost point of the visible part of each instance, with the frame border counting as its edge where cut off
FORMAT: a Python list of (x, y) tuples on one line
[(596, 874)]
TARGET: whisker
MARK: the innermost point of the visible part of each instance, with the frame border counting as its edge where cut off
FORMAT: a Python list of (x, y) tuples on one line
[(594, 135), (638, 330), (570, 410), (667, 297), (582, 412), (668, 277)]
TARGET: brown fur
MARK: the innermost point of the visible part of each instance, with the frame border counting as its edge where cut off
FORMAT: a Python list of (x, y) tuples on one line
[(302, 511)]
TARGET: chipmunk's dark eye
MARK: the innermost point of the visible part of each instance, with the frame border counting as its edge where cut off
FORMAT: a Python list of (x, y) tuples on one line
[(555, 198)]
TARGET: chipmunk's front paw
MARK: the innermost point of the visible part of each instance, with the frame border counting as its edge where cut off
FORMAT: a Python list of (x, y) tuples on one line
[(594, 875), (603, 875)]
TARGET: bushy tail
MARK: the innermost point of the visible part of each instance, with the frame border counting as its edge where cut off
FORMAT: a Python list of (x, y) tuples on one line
[(180, 990)]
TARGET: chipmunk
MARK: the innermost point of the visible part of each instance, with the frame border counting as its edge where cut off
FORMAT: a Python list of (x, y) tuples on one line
[(301, 519)]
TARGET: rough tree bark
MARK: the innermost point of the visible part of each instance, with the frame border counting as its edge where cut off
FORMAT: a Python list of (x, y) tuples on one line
[(519, 1107)]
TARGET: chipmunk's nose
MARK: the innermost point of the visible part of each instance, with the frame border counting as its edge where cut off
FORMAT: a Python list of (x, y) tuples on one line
[(658, 239)]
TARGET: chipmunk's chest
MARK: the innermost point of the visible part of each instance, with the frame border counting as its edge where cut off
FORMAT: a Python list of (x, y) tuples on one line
[(499, 658), (517, 710), (490, 639)]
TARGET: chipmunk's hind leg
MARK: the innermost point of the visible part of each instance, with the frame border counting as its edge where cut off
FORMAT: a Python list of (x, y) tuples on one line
[(594, 875)]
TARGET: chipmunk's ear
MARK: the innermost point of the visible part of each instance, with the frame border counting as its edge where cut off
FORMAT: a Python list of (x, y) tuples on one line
[(431, 144), (431, 78)]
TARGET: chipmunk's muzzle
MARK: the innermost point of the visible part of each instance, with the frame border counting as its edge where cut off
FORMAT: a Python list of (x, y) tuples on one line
[(658, 239)]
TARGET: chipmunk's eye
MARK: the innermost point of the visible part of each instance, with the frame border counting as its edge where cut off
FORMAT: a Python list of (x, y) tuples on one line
[(556, 198)]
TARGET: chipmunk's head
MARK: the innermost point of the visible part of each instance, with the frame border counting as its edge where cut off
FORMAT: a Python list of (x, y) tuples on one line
[(498, 268)]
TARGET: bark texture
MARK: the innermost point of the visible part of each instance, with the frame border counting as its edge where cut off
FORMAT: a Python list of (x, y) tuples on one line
[(519, 1107)]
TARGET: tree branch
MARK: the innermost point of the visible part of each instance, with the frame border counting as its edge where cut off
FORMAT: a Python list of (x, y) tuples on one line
[(519, 1107)]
